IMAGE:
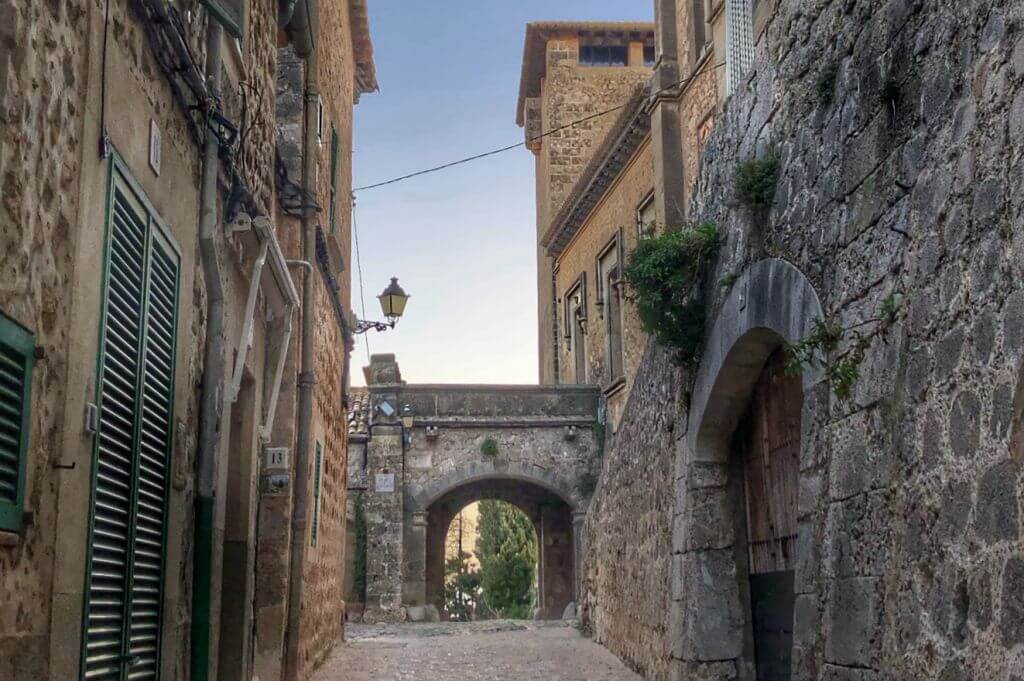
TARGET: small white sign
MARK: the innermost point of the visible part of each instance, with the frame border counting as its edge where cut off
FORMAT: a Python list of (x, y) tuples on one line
[(155, 141), (276, 458), (384, 482)]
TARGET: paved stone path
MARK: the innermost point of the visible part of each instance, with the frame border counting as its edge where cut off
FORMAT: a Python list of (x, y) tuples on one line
[(477, 651)]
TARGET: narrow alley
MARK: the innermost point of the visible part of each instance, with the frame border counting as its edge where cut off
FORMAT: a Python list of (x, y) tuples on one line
[(498, 650)]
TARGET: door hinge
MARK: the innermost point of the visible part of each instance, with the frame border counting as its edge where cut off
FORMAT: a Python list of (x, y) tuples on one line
[(92, 419)]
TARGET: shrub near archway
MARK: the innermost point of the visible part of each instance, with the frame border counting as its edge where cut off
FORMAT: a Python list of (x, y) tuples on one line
[(507, 550)]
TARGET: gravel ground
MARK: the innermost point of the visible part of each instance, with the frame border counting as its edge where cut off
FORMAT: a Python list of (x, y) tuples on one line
[(474, 651)]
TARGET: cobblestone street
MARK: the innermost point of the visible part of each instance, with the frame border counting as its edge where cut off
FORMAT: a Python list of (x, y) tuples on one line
[(495, 651)]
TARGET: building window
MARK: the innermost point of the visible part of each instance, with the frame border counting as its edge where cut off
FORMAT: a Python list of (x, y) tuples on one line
[(608, 276), (319, 119), (699, 25), (650, 56), (604, 55), (318, 462), (739, 42), (646, 220), (17, 348), (332, 207), (132, 448)]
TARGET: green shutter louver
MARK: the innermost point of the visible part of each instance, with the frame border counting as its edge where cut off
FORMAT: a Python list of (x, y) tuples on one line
[(317, 474), (17, 347), (128, 525)]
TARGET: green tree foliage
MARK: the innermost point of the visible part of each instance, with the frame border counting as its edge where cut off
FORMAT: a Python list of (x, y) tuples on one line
[(507, 550), (359, 561), (461, 588), (664, 275)]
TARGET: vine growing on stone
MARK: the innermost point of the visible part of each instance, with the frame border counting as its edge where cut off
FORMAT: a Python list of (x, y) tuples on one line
[(842, 373), (489, 447), (664, 277), (755, 181)]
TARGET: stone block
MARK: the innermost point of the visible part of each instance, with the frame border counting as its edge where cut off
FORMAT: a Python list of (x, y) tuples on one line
[(1011, 624), (714, 620), (964, 424), (853, 622), (710, 521), (997, 513)]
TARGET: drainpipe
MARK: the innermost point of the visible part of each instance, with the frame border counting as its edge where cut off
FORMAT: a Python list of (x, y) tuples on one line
[(300, 487), (213, 379)]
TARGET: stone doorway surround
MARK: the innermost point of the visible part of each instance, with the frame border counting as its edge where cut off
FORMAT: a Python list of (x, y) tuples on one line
[(771, 303)]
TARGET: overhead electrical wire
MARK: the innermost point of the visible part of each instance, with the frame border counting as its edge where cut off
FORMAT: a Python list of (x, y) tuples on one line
[(359, 269), (501, 150)]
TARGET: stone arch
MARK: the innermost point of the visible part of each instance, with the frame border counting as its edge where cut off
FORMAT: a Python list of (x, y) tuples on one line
[(419, 498), (771, 303), (540, 500)]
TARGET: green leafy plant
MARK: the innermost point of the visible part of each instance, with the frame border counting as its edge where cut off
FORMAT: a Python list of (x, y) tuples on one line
[(755, 181), (842, 373), (489, 447), (825, 85), (664, 275), (359, 560)]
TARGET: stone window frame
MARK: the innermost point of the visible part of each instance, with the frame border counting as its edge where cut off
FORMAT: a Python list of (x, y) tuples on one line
[(613, 245), (575, 320), (644, 204)]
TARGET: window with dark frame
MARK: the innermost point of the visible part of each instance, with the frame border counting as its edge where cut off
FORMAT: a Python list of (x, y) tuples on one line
[(332, 208), (317, 478), (17, 351), (575, 315), (604, 55), (608, 275)]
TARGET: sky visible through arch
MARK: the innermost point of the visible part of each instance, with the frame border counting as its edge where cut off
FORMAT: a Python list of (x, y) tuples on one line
[(462, 241)]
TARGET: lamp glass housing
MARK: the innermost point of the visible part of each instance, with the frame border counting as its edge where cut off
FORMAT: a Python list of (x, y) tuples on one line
[(393, 300)]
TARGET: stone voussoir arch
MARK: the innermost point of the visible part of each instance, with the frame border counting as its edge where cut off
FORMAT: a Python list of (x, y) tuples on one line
[(418, 498), (772, 302)]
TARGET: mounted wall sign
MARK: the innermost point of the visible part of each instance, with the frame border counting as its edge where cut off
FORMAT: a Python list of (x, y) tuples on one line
[(229, 13), (384, 482)]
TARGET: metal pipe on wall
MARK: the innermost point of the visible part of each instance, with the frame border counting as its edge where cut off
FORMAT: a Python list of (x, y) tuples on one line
[(212, 389), (306, 381)]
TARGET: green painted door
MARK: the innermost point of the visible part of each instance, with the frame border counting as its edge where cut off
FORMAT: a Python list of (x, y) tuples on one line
[(124, 573)]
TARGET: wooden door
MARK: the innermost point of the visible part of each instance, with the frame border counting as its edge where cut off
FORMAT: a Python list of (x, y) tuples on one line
[(771, 474)]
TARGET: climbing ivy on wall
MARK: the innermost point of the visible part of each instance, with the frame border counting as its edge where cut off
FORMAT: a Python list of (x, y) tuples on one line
[(825, 339), (359, 560), (665, 274)]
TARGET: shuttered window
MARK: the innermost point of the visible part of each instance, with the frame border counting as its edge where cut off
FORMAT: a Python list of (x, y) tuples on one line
[(318, 462), (124, 598), (334, 179), (17, 346)]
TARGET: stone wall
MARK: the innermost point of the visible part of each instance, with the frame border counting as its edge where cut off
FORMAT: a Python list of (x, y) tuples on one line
[(625, 589), (896, 178)]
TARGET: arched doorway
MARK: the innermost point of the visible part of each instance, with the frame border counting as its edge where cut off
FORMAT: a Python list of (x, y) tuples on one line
[(737, 534), (553, 524), (766, 466)]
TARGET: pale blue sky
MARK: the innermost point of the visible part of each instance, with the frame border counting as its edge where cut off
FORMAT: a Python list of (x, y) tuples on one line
[(461, 241)]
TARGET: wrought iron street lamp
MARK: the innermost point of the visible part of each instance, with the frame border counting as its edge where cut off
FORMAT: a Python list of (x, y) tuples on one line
[(392, 303)]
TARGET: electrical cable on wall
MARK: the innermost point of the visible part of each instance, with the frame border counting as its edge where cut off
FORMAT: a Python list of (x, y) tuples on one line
[(476, 157), (359, 269)]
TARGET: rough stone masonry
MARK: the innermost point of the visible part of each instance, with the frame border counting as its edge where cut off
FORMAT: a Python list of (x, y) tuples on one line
[(899, 127)]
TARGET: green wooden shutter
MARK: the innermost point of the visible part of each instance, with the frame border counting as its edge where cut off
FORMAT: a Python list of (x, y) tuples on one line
[(17, 346), (317, 474), (126, 544), (152, 475)]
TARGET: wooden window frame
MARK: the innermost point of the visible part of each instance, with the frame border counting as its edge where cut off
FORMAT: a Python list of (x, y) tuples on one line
[(20, 342)]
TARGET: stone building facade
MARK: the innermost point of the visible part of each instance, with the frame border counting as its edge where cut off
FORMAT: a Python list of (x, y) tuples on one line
[(106, 317), (571, 71), (894, 545)]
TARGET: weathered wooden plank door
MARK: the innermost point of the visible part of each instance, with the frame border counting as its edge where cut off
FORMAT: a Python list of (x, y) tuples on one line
[(771, 473)]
